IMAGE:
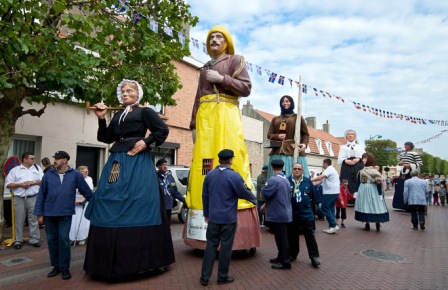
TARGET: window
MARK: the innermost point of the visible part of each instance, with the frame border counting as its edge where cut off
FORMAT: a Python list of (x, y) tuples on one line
[(329, 148), (22, 143), (308, 149), (207, 166), (158, 109), (319, 147)]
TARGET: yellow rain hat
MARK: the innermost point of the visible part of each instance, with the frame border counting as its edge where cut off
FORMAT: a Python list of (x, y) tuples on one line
[(225, 32)]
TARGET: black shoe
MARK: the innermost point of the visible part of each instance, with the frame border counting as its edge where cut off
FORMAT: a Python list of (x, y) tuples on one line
[(315, 262), (17, 245), (343, 226), (292, 259), (36, 245), (66, 275), (279, 266), (53, 272), (366, 227), (273, 261), (422, 226), (378, 227), (229, 279), (204, 282)]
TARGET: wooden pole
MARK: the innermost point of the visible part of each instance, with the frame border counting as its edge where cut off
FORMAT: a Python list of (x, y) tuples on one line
[(298, 121)]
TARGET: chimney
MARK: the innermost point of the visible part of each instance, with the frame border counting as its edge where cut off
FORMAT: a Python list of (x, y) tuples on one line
[(248, 109), (326, 127), (311, 122)]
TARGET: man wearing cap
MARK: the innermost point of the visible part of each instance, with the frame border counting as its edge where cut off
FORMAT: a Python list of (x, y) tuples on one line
[(24, 181), (168, 187), (221, 190), (261, 182), (55, 206), (409, 160), (216, 124), (277, 194)]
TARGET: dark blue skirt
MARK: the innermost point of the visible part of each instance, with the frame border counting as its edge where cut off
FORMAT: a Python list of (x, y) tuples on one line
[(133, 200)]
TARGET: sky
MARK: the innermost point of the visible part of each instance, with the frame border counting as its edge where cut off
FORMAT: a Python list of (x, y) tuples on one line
[(389, 55)]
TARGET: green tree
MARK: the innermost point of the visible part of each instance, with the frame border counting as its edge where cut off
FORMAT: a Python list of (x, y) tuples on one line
[(383, 150), (437, 165), (41, 61), (428, 162), (443, 167)]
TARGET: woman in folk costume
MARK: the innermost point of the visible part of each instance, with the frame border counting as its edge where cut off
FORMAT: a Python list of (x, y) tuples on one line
[(283, 129), (350, 158), (216, 124), (129, 232), (370, 205)]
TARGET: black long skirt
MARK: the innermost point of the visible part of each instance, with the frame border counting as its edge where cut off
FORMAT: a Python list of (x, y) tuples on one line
[(114, 253), (350, 173), (398, 201)]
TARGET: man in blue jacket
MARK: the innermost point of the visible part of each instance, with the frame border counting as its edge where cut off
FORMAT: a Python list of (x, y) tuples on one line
[(168, 187), (56, 203), (302, 215), (277, 196), (220, 192)]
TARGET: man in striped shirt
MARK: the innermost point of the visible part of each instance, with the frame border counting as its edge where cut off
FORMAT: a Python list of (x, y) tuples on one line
[(408, 160)]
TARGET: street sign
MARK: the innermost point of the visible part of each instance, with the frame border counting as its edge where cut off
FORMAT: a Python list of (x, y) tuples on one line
[(10, 163)]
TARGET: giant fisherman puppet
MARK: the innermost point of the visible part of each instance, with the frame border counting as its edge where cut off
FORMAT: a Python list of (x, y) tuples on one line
[(216, 124)]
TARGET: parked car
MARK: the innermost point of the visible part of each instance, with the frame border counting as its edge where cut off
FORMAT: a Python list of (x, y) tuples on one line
[(180, 174)]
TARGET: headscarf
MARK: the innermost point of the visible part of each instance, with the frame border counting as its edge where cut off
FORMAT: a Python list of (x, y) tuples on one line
[(140, 95), (285, 111), (225, 32)]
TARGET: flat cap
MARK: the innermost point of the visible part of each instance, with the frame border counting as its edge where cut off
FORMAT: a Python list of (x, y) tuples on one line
[(225, 154), (61, 154), (277, 163), (265, 167)]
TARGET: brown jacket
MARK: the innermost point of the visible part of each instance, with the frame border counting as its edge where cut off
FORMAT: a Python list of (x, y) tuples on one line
[(274, 131)]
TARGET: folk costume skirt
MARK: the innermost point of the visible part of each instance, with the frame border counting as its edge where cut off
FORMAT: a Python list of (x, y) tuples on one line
[(129, 231)]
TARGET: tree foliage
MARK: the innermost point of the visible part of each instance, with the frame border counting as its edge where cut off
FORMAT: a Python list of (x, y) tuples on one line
[(79, 49), (428, 161), (381, 150)]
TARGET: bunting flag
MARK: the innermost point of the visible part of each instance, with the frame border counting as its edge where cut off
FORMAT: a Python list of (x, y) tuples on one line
[(136, 17), (322, 93), (168, 30), (249, 66), (281, 80), (181, 37), (272, 77), (305, 89), (121, 6), (315, 92), (204, 48), (154, 25), (431, 138), (290, 82), (268, 72), (195, 42), (258, 70)]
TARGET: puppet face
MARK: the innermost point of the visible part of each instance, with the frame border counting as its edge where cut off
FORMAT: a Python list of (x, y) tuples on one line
[(129, 95), (286, 103), (351, 136), (217, 42)]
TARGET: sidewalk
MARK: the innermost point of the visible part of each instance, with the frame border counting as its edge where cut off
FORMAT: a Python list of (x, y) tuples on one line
[(395, 258)]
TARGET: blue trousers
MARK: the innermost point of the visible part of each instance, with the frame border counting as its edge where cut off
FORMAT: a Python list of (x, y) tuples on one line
[(260, 214), (421, 214), (328, 208), (223, 234), (57, 229)]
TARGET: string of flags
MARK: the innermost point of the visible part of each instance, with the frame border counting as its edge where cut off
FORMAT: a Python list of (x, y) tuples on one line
[(431, 138), (122, 7)]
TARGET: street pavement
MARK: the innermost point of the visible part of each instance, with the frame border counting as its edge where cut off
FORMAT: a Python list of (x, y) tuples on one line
[(397, 257)]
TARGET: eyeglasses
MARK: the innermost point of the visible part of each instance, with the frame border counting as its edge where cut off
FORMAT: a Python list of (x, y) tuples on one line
[(297, 169), (32, 158)]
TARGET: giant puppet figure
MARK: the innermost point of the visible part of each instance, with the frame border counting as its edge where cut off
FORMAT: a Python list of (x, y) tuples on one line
[(216, 124), (409, 160)]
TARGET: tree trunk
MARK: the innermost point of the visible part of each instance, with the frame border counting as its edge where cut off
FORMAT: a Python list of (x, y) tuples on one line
[(10, 112)]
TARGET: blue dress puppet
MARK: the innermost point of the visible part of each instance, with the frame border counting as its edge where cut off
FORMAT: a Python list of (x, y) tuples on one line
[(129, 231)]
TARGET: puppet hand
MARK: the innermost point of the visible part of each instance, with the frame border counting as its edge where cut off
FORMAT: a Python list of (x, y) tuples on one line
[(213, 76)]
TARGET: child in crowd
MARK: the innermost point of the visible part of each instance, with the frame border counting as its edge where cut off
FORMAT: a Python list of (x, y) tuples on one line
[(435, 196), (341, 203), (318, 196), (442, 193)]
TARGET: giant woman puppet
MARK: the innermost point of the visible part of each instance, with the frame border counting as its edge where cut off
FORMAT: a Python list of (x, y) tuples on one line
[(216, 124)]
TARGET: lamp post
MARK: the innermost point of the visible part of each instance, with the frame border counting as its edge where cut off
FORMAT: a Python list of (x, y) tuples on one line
[(376, 136)]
